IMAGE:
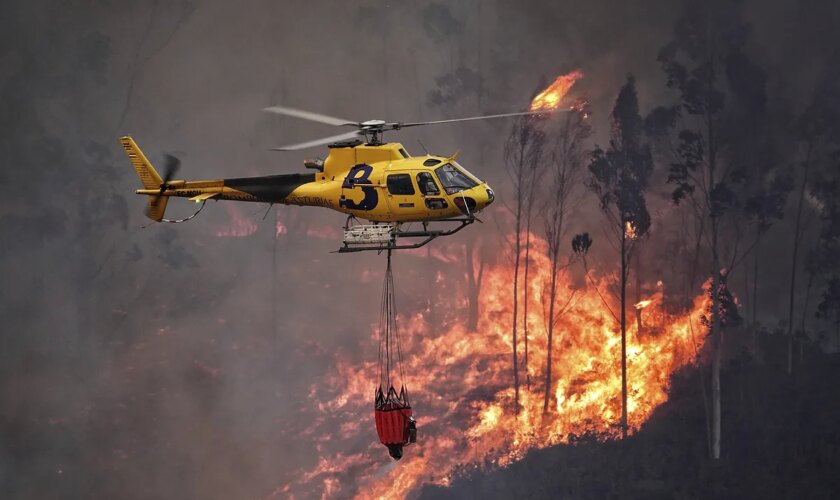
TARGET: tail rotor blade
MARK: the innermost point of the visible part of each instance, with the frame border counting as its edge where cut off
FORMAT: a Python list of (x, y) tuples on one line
[(170, 168)]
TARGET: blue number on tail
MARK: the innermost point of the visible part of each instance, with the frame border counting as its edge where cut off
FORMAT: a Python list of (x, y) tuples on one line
[(360, 174)]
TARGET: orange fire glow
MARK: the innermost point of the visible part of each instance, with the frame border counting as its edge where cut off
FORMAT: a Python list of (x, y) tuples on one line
[(239, 226), (630, 230), (461, 389), (642, 304), (550, 97)]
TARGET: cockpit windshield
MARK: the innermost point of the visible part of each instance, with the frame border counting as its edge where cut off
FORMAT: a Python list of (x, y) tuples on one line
[(454, 180), (467, 172)]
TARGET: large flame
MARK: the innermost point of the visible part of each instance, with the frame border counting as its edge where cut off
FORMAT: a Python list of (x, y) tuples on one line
[(550, 97), (461, 387), (630, 230)]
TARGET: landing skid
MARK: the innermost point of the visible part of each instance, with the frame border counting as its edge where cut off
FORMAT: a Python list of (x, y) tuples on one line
[(380, 237)]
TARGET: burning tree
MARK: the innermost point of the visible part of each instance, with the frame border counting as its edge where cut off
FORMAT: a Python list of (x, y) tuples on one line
[(522, 153), (620, 177), (474, 251), (567, 160)]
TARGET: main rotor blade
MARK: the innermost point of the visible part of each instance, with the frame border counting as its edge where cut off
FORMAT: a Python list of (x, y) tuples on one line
[(485, 117), (319, 142), (308, 115)]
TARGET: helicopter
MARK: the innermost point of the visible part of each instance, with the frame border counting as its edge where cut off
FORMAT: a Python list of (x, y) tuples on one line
[(362, 176)]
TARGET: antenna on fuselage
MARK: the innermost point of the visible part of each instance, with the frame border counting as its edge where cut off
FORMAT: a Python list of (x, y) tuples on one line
[(423, 146)]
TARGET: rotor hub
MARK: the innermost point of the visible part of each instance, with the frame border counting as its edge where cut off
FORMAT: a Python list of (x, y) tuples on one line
[(373, 124), (372, 130)]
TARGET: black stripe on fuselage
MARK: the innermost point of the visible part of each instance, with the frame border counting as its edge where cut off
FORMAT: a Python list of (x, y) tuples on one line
[(271, 188)]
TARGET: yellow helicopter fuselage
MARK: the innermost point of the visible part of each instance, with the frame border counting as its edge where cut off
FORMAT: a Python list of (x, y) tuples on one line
[(379, 183)]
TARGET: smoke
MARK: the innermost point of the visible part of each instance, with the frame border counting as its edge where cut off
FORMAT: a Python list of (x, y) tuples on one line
[(165, 361)]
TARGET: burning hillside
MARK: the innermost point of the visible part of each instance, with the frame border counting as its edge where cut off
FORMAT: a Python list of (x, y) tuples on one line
[(461, 385)]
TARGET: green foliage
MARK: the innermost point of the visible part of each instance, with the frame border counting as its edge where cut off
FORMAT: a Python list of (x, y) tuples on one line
[(620, 174), (767, 203), (721, 97), (727, 307)]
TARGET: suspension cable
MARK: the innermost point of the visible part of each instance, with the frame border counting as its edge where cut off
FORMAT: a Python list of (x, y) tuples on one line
[(389, 339)]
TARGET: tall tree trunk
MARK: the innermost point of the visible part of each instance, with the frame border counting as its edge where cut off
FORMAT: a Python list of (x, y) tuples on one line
[(638, 266), (804, 317), (623, 332), (474, 284), (755, 285), (716, 345), (516, 304), (716, 322), (797, 236), (695, 265), (552, 295), (746, 291), (526, 293)]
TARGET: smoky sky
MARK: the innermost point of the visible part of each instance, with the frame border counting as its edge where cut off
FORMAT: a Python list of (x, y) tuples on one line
[(167, 362)]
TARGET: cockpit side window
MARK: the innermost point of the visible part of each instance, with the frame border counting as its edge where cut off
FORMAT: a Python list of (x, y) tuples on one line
[(453, 180), (427, 184), (400, 184)]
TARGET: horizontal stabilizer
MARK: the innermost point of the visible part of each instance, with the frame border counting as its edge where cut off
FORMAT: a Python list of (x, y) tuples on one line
[(203, 197)]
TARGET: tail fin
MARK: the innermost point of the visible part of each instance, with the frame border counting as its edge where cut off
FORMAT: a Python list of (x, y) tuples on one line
[(157, 206), (148, 175)]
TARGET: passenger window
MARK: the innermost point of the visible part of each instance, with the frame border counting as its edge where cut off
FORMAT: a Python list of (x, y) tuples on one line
[(427, 184), (400, 184)]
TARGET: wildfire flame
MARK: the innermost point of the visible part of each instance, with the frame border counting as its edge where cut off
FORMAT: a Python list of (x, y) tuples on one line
[(580, 105), (550, 97), (461, 387), (630, 230), (642, 304)]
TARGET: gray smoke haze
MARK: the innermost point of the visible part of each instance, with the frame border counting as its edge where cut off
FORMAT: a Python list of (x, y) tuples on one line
[(167, 362)]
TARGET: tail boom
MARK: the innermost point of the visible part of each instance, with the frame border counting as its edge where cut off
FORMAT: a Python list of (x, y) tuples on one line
[(266, 189)]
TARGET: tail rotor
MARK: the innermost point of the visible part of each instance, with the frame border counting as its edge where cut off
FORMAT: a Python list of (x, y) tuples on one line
[(157, 204)]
